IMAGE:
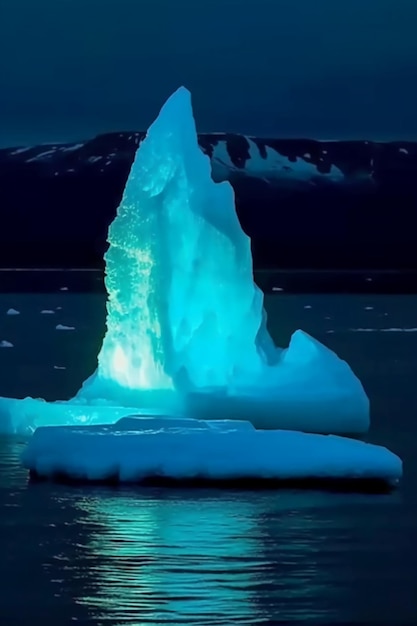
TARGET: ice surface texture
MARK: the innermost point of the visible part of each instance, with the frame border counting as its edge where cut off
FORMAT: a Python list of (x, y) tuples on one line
[(186, 327), (184, 311), (134, 450)]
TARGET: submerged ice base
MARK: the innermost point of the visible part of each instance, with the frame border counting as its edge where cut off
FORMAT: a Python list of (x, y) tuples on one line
[(186, 328), (138, 450)]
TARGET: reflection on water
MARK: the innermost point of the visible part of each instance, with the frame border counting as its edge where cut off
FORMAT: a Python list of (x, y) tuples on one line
[(208, 557), (155, 556), (177, 558), (202, 557)]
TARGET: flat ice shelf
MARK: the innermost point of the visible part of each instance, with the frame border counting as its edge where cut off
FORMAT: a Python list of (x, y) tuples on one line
[(141, 449)]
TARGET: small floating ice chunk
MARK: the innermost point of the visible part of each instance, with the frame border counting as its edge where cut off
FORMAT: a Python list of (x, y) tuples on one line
[(277, 289), (59, 367), (369, 308), (47, 312), (6, 344), (63, 289), (13, 312), (63, 327), (383, 330), (363, 330), (399, 330), (308, 306), (58, 308)]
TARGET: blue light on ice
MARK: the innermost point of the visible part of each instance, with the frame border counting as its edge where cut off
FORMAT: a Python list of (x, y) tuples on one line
[(186, 327)]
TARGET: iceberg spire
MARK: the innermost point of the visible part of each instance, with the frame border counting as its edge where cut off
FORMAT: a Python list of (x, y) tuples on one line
[(179, 271), (186, 328)]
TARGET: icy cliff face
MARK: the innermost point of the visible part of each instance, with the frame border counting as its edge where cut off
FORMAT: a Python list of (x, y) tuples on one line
[(186, 328), (182, 304), (183, 310)]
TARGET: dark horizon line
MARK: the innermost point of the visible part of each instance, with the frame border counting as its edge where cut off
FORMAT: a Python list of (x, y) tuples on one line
[(295, 270), (278, 282)]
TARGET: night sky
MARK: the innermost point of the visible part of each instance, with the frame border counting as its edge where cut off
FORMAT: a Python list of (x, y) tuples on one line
[(70, 69)]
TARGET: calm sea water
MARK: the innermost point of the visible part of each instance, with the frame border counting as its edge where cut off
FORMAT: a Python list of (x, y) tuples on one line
[(146, 556)]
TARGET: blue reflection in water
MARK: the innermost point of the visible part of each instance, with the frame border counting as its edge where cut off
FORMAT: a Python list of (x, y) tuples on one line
[(203, 557)]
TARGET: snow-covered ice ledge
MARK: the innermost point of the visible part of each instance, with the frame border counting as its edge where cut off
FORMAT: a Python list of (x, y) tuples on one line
[(157, 450)]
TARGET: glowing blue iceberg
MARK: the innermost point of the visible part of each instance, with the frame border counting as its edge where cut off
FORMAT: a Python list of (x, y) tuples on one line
[(186, 328), (183, 309)]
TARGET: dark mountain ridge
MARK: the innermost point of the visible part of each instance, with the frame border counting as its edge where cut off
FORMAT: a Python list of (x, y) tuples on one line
[(304, 203)]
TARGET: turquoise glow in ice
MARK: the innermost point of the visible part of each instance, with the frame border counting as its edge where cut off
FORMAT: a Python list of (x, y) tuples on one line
[(182, 304), (186, 328)]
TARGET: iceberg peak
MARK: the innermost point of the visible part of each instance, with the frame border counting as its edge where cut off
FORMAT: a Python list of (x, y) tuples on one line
[(186, 325), (179, 271)]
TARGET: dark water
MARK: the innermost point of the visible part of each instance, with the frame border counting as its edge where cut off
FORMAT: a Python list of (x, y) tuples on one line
[(146, 556)]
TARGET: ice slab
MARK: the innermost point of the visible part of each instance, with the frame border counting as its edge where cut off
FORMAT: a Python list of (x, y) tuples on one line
[(135, 450)]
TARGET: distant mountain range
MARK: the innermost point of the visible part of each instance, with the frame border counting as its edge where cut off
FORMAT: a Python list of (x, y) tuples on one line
[(304, 203)]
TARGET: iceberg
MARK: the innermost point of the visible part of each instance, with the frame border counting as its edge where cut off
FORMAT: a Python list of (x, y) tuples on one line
[(170, 450), (186, 327)]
